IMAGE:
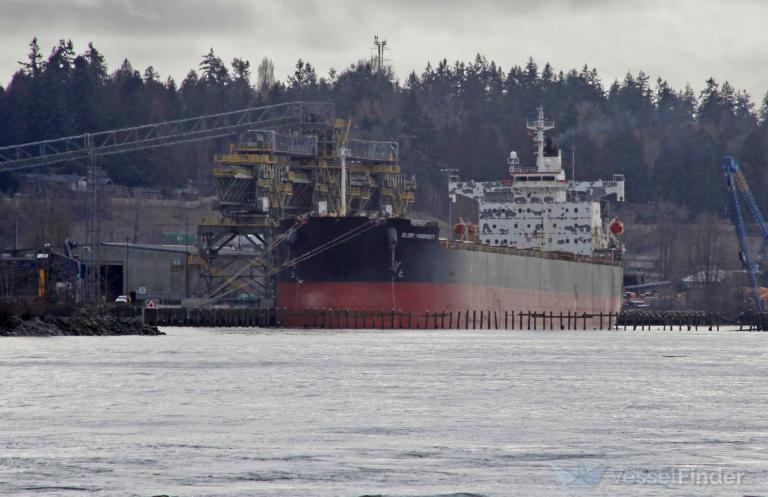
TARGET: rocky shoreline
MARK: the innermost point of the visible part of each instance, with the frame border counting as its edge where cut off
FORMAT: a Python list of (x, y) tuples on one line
[(79, 325)]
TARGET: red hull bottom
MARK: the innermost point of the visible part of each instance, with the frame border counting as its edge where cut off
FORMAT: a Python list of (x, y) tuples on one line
[(294, 299)]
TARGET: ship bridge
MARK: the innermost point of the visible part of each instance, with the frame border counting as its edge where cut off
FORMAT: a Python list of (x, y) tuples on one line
[(537, 208)]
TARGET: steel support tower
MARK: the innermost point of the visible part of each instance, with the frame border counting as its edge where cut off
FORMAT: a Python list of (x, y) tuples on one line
[(285, 163), (92, 147), (270, 177)]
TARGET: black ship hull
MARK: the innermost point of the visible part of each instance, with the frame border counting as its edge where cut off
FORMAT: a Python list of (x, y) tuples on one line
[(356, 264)]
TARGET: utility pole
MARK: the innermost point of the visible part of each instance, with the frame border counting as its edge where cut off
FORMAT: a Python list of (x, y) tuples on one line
[(186, 257), (125, 269), (16, 230), (92, 228)]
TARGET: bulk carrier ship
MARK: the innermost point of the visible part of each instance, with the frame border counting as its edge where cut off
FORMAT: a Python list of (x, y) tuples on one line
[(533, 241)]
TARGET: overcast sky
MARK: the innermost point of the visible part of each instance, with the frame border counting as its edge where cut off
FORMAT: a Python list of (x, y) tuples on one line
[(684, 41)]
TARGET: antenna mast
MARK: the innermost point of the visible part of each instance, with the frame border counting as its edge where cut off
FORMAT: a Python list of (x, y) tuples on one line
[(380, 46), (539, 126)]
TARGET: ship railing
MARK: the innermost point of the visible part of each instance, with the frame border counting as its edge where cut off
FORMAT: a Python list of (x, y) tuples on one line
[(524, 169), (612, 259), (297, 145), (267, 140), (373, 151)]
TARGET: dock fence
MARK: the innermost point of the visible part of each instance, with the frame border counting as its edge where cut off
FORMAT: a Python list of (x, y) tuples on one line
[(467, 319)]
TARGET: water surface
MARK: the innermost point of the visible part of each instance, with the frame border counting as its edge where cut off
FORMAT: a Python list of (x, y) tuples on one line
[(398, 413)]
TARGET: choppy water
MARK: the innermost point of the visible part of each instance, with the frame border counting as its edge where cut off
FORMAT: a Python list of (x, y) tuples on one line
[(397, 413)]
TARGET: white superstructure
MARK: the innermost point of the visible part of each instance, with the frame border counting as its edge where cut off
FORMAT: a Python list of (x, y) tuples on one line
[(537, 208)]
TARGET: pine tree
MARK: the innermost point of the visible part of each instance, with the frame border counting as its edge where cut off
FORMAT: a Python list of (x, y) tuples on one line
[(241, 69), (689, 101), (711, 103), (464, 114), (35, 59), (53, 98), (213, 72), (241, 85), (304, 77), (547, 74), (763, 112)]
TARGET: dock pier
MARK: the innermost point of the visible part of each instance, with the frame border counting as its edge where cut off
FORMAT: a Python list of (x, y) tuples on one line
[(475, 319)]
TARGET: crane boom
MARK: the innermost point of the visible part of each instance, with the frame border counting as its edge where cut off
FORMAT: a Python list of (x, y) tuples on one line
[(736, 184)]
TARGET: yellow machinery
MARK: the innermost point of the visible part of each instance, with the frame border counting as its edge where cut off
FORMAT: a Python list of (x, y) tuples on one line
[(270, 175)]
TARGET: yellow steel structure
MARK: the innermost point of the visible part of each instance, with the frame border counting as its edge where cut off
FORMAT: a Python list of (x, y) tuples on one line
[(271, 175)]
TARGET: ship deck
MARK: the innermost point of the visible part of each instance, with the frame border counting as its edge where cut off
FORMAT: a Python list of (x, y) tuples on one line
[(560, 256)]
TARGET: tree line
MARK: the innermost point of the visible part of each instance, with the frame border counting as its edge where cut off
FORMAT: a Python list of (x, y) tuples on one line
[(466, 115)]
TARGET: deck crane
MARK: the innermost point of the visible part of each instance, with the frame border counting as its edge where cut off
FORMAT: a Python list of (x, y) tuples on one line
[(737, 184)]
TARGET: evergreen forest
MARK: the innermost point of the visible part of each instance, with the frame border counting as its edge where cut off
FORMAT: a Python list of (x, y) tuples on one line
[(465, 115)]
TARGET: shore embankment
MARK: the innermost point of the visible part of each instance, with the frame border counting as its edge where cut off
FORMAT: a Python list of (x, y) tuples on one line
[(79, 323)]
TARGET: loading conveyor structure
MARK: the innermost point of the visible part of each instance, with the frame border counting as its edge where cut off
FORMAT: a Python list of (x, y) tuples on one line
[(269, 175)]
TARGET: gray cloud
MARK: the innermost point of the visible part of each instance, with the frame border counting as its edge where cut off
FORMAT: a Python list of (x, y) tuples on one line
[(125, 17), (682, 41)]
